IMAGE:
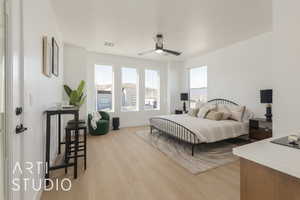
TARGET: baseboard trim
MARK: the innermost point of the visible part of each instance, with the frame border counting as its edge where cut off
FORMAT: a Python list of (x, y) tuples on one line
[(128, 125)]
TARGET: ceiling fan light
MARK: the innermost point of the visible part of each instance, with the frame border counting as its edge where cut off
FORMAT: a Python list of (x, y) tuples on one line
[(159, 51)]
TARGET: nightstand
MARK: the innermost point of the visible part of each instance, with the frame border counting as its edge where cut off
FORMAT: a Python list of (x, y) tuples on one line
[(178, 112), (260, 129)]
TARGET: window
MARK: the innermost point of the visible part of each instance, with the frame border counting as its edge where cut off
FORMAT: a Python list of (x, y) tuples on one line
[(129, 89), (151, 90), (104, 87), (198, 85)]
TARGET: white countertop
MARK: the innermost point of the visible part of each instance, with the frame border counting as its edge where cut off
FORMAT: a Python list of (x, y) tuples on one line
[(278, 157)]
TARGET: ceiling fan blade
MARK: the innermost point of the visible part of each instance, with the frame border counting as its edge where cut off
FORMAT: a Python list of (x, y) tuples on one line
[(172, 52), (146, 52)]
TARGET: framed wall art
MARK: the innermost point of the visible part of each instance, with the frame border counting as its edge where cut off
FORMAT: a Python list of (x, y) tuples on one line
[(55, 57), (47, 56)]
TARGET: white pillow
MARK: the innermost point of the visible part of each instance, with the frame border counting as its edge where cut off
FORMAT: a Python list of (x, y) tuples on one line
[(236, 112), (95, 118), (214, 115), (96, 115), (247, 115), (193, 112), (199, 104), (226, 113), (205, 109)]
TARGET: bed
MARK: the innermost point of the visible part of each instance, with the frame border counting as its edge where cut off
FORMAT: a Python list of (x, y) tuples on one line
[(195, 131)]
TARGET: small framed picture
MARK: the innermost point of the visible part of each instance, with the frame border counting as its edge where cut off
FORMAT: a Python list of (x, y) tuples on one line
[(55, 57), (47, 57)]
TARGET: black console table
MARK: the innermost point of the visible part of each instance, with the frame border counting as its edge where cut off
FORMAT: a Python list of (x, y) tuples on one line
[(59, 112)]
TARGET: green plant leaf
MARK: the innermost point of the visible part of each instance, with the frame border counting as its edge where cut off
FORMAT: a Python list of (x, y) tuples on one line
[(68, 90), (80, 97), (74, 98), (81, 87), (82, 101)]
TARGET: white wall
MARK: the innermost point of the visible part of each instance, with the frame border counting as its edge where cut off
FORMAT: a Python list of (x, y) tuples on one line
[(80, 64), (40, 92), (75, 59), (286, 62), (175, 85), (239, 71)]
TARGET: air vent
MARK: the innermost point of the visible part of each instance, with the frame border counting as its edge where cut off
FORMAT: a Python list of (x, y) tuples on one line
[(109, 44)]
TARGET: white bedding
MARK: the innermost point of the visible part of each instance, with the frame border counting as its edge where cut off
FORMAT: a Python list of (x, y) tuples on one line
[(210, 130)]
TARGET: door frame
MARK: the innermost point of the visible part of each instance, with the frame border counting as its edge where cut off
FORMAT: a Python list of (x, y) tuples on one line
[(13, 11), (8, 105), (8, 74)]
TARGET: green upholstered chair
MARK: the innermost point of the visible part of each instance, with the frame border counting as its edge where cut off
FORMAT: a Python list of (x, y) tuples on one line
[(102, 124)]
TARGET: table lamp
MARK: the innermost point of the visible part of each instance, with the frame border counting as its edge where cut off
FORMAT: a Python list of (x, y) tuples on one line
[(184, 97)]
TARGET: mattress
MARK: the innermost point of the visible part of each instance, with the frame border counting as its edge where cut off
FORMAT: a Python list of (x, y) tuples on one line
[(209, 131)]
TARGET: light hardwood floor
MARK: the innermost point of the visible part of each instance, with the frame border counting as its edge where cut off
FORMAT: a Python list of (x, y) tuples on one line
[(121, 166)]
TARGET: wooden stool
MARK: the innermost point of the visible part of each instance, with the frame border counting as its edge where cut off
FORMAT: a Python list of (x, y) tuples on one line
[(74, 146)]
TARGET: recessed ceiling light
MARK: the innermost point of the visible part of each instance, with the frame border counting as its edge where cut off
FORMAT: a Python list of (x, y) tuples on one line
[(109, 44)]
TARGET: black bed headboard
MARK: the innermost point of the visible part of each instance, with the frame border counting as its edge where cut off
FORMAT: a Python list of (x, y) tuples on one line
[(222, 101)]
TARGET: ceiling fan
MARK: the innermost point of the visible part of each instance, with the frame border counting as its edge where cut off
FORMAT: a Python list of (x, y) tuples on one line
[(159, 47)]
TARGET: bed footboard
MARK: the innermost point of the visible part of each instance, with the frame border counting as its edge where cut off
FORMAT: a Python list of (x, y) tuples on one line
[(175, 130)]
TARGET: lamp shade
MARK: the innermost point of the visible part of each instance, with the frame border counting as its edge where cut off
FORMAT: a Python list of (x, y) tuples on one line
[(184, 96), (266, 96)]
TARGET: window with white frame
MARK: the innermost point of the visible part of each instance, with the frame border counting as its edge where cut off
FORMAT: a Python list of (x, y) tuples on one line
[(129, 92), (104, 87), (198, 85), (152, 89)]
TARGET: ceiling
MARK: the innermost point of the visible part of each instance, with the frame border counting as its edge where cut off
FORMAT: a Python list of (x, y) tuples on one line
[(194, 27)]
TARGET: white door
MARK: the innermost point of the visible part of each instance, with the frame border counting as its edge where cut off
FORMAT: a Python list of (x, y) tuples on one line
[(14, 92), (2, 100)]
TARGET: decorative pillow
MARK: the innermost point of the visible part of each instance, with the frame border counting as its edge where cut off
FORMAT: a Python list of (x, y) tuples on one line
[(193, 112), (226, 113), (248, 114), (226, 116), (214, 115), (205, 109), (236, 112), (199, 104), (95, 118)]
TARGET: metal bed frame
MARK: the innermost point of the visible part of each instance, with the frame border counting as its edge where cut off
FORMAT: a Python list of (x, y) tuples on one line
[(179, 131)]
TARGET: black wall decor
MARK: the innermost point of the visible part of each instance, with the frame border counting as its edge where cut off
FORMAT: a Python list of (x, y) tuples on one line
[(184, 96), (266, 96)]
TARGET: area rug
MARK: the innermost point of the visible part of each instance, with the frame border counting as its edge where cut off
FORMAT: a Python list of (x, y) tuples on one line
[(206, 156)]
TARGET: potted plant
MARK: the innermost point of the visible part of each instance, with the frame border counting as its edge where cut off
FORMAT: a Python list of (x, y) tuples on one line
[(77, 96)]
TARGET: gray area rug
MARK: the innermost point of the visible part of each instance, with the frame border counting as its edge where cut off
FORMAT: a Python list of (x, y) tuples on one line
[(206, 156)]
